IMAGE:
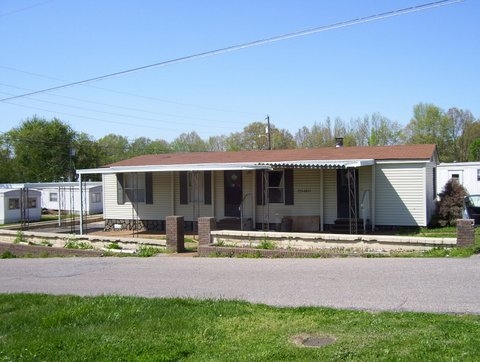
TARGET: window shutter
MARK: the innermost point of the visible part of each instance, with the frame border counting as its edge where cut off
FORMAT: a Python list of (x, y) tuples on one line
[(288, 182), (183, 188), (120, 193), (259, 188), (148, 188), (207, 187)]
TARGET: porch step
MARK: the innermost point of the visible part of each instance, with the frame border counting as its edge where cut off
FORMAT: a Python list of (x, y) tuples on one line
[(230, 223), (342, 226)]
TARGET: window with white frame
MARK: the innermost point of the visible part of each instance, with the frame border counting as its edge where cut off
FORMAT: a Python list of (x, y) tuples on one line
[(134, 187), (53, 196), (32, 202), (14, 204), (195, 186), (95, 197), (276, 187)]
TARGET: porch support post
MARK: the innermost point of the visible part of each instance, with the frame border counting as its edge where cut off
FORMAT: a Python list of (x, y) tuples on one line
[(322, 213), (81, 203)]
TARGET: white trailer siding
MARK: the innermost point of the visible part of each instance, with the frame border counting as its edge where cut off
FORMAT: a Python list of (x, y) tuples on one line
[(67, 198), (12, 204), (400, 194), (468, 174)]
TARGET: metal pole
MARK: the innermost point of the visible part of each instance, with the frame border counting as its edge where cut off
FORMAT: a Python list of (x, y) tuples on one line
[(81, 203), (268, 133)]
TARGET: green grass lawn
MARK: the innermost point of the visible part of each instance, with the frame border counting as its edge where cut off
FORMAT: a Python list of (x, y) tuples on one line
[(113, 328)]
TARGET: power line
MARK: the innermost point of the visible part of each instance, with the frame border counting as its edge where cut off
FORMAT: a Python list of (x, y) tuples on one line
[(219, 121), (232, 48), (24, 8), (122, 93)]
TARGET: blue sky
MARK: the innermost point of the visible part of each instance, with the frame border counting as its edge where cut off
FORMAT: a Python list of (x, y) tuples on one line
[(384, 66)]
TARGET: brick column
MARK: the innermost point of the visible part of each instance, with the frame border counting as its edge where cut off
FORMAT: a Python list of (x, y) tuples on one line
[(175, 233), (465, 232), (205, 226)]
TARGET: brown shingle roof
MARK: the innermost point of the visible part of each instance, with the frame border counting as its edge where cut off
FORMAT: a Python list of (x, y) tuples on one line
[(400, 152)]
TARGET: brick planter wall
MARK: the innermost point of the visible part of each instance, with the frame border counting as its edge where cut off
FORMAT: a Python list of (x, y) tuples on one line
[(175, 234), (205, 226), (465, 232)]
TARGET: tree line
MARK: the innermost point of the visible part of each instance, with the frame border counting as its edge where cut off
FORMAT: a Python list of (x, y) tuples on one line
[(41, 150)]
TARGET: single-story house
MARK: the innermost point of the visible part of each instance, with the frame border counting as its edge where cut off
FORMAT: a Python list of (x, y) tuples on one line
[(19, 205), (312, 190), (466, 173)]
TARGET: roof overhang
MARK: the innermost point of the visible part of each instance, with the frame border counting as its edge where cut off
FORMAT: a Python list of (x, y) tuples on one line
[(307, 164), (170, 168)]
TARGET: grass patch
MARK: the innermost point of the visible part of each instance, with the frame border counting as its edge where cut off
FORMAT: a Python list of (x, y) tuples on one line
[(148, 251), (75, 244), (41, 327)]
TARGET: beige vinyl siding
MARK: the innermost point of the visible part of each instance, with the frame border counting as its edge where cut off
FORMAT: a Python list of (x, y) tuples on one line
[(219, 195), (330, 196), (400, 194), (307, 195), (160, 208), (110, 208), (193, 210)]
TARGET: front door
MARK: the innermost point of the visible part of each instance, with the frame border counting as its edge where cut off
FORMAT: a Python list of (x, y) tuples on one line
[(233, 192), (343, 192)]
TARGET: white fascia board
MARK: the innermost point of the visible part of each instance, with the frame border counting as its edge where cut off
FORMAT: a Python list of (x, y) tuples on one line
[(360, 163), (42, 185), (390, 162), (167, 168), (459, 164)]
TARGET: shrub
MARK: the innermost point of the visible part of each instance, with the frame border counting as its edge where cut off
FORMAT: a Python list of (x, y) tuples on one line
[(20, 238), (450, 206), (266, 244), (147, 251), (7, 255), (75, 244)]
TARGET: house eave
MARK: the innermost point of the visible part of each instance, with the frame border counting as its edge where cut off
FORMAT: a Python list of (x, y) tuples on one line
[(172, 168)]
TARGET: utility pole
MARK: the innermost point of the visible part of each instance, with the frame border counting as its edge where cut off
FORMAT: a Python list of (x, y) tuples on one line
[(269, 144)]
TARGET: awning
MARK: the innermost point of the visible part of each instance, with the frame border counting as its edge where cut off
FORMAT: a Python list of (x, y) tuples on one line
[(328, 164), (167, 168)]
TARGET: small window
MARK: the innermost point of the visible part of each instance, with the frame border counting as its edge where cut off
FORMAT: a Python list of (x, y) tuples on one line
[(13, 204), (478, 174), (275, 187), (53, 196), (456, 177), (96, 197), (195, 187), (134, 187), (32, 202)]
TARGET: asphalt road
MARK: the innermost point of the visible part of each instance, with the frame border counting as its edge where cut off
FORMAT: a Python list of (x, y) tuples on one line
[(384, 284)]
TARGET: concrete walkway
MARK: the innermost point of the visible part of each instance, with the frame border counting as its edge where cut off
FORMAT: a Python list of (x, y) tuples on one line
[(384, 284)]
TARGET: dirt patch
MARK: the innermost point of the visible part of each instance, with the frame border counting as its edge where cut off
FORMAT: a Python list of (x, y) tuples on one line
[(312, 340), (24, 250)]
